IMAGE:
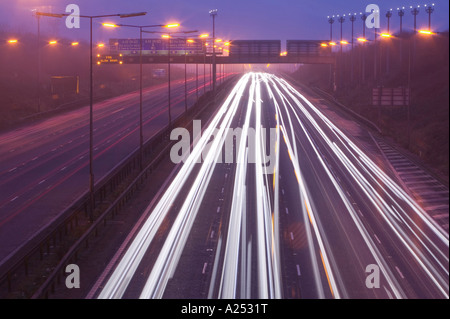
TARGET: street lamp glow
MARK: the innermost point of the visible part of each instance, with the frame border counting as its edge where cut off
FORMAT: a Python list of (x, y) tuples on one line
[(385, 35), (332, 43), (427, 32), (344, 42), (12, 41), (53, 42), (100, 45), (172, 25), (204, 35), (110, 25), (218, 40), (190, 41), (165, 36), (362, 39), (74, 43), (226, 44)]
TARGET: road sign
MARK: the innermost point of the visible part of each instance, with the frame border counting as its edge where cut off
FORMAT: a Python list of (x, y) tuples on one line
[(307, 48), (382, 96), (109, 59), (255, 48), (156, 46)]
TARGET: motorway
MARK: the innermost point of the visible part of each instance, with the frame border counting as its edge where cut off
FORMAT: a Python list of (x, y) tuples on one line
[(297, 211), (45, 166)]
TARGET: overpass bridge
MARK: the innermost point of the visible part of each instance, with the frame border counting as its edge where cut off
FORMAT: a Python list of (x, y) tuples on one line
[(180, 51)]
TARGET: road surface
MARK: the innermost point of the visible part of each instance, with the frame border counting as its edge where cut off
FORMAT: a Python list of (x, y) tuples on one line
[(45, 166)]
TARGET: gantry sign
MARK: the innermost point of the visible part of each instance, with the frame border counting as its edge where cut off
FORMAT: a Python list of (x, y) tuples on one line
[(240, 52)]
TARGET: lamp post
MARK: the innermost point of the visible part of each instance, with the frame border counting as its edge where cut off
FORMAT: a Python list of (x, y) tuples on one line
[(415, 12), (352, 20), (331, 21), (363, 69), (388, 16), (429, 10), (203, 37), (141, 134), (213, 14), (91, 96), (401, 13), (38, 17)]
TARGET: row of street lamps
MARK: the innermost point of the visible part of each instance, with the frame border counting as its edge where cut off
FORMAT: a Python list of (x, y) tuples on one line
[(429, 9), (168, 35)]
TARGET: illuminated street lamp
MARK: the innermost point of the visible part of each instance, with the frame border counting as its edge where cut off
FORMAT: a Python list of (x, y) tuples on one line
[(91, 96), (74, 44), (13, 41)]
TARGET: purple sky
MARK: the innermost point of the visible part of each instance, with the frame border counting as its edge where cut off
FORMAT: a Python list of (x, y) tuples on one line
[(237, 19)]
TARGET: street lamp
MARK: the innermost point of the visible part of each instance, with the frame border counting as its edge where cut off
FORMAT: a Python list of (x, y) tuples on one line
[(429, 10), (415, 12), (213, 14), (203, 37), (91, 95), (141, 133), (331, 21)]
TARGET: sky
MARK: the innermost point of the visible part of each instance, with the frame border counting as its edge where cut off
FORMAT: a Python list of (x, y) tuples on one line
[(237, 19)]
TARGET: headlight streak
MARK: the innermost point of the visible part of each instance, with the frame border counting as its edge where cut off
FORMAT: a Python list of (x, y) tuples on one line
[(266, 275), (382, 193), (440, 282), (443, 236), (369, 242), (167, 260), (228, 283), (308, 219), (121, 277)]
